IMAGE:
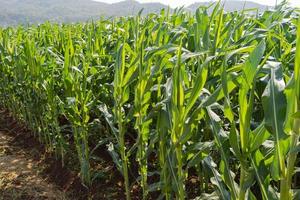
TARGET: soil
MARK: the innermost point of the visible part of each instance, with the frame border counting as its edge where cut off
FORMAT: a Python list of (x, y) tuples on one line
[(19, 174)]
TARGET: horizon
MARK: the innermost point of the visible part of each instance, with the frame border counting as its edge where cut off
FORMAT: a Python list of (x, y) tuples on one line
[(179, 3)]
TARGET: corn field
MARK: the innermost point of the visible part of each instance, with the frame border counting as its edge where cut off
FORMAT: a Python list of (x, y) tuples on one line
[(211, 94)]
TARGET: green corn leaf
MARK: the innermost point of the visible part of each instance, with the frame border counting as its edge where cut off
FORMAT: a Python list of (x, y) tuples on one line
[(258, 137), (274, 104)]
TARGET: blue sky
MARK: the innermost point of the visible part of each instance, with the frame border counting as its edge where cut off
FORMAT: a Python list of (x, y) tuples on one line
[(175, 3)]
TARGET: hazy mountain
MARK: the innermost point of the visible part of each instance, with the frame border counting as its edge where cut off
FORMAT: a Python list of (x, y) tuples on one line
[(232, 5), (35, 11), (14, 12)]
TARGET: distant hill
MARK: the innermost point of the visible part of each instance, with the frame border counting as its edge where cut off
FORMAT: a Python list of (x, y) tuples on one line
[(232, 5), (13, 12)]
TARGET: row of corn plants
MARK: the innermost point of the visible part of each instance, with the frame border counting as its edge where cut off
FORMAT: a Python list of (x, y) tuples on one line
[(210, 94)]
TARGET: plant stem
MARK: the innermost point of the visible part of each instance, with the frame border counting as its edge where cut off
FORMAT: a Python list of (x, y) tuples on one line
[(123, 155), (242, 192), (286, 182), (181, 193), (142, 157)]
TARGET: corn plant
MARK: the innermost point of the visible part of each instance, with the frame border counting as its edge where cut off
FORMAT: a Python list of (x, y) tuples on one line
[(211, 96), (121, 96)]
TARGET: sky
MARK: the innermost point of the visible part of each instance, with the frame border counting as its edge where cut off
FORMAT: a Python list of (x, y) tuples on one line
[(176, 3)]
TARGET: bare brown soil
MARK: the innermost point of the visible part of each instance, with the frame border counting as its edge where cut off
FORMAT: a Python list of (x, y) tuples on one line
[(19, 175)]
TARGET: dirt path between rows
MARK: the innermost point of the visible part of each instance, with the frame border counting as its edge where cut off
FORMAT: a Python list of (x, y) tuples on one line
[(19, 175)]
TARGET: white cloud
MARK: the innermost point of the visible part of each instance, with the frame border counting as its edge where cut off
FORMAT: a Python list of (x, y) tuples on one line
[(176, 3)]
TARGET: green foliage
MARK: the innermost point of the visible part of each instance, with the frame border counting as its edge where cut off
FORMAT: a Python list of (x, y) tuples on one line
[(172, 95)]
